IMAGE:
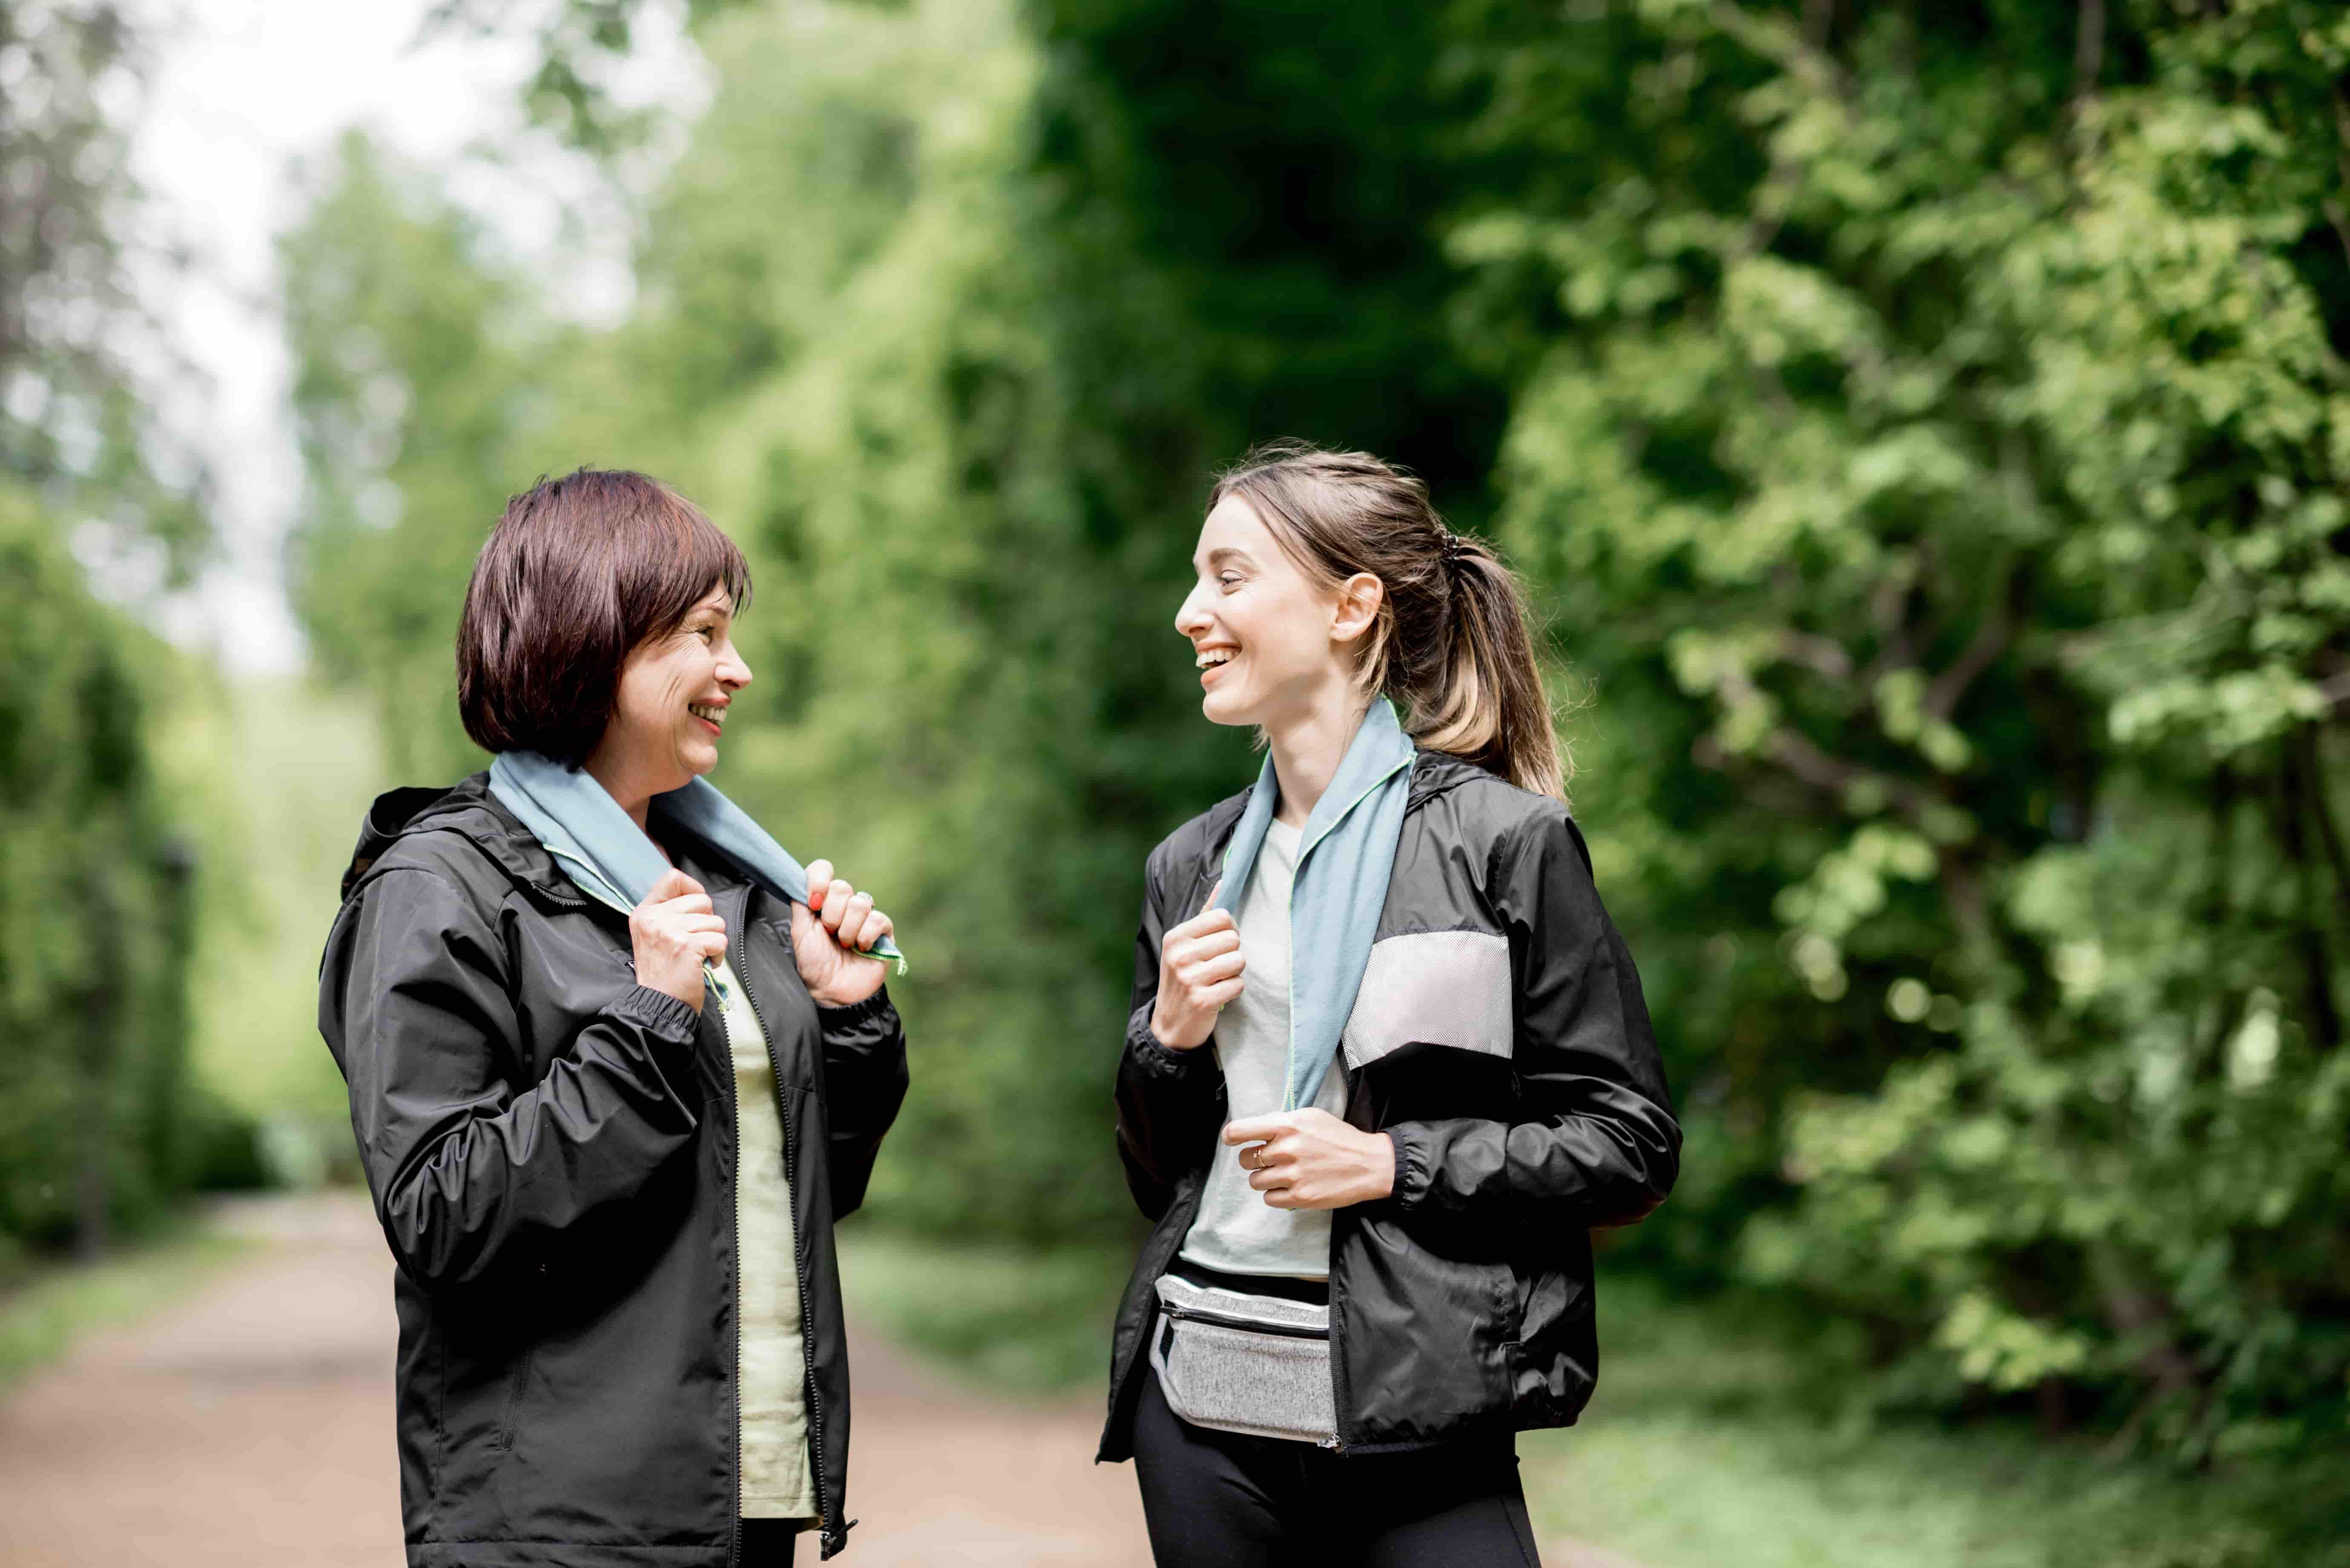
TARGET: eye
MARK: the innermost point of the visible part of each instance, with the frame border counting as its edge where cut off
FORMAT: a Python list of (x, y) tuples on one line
[(1229, 579)]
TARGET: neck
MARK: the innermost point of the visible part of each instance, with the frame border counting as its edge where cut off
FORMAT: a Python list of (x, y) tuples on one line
[(633, 799), (1306, 754)]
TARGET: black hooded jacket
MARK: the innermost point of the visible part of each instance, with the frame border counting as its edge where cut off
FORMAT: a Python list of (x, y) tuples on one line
[(551, 1150), (1499, 1038)]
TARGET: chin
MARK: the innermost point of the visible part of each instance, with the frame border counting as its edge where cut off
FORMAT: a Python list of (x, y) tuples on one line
[(1220, 707)]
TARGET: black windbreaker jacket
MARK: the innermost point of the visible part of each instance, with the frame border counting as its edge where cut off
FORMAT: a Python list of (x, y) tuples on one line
[(551, 1150), (1500, 1037)]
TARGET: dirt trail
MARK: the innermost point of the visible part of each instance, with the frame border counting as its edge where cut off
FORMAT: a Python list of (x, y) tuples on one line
[(250, 1426)]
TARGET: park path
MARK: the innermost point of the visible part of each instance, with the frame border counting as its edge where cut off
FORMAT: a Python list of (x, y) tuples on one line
[(250, 1426)]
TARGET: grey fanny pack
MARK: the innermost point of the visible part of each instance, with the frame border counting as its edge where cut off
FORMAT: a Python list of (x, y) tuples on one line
[(1241, 1362)]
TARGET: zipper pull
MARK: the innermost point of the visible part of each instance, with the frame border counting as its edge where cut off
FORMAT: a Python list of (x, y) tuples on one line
[(1330, 1443)]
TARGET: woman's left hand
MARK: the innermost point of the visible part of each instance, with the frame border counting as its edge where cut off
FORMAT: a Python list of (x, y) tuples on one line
[(832, 938), (1311, 1159)]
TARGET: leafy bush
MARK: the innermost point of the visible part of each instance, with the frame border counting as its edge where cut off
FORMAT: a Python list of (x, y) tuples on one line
[(1935, 443), (94, 910)]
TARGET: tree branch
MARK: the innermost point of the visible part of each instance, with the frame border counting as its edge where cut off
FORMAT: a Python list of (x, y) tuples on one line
[(1823, 655), (1991, 639), (2332, 205), (2294, 804), (2306, 743)]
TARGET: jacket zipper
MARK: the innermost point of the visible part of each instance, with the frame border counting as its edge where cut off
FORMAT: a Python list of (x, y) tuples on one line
[(734, 1225), (1221, 1320), (824, 1522)]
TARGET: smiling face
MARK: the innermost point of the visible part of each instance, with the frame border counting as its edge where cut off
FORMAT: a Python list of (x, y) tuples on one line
[(672, 704), (1274, 645)]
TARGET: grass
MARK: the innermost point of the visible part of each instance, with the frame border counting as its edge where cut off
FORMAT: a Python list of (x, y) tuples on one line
[(1028, 1321), (1701, 1450), (44, 1315), (1706, 1448)]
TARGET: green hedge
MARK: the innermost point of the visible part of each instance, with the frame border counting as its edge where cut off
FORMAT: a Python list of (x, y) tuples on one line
[(95, 907)]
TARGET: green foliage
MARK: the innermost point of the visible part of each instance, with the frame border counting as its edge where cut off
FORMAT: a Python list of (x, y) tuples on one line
[(94, 909), (1029, 1320), (73, 424), (415, 388), (1934, 443), (1712, 1443)]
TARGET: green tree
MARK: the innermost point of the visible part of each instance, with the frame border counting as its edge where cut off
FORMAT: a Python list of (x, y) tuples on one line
[(94, 897), (422, 376), (1932, 433), (94, 909)]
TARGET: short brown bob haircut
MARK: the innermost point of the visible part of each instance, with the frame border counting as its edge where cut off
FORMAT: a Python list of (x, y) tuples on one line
[(578, 574)]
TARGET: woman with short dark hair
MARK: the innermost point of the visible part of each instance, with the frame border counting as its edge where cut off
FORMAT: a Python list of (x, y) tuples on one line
[(617, 1063)]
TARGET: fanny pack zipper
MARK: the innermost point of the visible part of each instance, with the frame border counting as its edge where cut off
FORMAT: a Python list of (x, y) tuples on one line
[(1251, 1325)]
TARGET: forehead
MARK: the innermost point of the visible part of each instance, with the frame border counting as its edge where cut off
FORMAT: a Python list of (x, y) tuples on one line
[(1233, 524)]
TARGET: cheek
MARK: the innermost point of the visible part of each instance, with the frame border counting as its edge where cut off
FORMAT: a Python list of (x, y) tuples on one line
[(648, 696), (1285, 639)]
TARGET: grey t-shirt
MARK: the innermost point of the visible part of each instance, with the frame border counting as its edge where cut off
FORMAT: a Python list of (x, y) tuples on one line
[(1236, 1229)]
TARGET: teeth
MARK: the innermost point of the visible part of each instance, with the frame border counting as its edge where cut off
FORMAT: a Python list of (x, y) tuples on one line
[(1211, 657), (704, 711)]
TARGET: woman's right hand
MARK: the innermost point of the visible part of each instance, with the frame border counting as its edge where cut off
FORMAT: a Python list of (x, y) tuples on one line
[(1199, 970), (673, 930)]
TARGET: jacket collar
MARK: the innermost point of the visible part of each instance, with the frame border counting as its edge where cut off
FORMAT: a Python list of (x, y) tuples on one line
[(1434, 773)]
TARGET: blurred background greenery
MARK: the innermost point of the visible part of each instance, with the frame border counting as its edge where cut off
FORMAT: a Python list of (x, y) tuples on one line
[(1924, 426)]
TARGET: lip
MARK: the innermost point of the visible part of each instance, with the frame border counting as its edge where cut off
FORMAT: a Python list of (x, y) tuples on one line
[(1209, 676), (707, 725)]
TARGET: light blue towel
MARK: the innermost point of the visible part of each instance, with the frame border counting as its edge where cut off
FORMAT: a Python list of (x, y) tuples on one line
[(601, 848), (1344, 859)]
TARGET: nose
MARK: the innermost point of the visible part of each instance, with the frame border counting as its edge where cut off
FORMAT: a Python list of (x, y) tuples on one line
[(1191, 617), (733, 671)]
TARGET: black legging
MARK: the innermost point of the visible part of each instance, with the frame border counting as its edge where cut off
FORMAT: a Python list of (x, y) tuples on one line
[(768, 1543), (1223, 1499)]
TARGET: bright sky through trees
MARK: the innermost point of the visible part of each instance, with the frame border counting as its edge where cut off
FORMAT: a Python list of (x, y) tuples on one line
[(241, 91)]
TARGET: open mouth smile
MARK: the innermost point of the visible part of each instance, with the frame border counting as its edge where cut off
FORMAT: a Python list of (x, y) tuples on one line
[(1211, 661), (713, 715)]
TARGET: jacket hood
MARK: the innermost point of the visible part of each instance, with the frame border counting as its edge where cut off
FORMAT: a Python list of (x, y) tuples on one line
[(467, 809), (1439, 772)]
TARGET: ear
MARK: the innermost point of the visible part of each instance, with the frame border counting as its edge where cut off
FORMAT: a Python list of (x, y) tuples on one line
[(1359, 598)]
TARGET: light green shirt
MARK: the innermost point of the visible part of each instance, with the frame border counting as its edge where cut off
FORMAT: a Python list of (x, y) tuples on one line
[(771, 1376)]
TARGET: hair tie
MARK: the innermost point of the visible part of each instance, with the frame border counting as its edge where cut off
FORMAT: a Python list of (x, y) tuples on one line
[(1448, 544)]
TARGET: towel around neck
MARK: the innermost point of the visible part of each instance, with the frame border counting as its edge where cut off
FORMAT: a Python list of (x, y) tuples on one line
[(1344, 857), (602, 849)]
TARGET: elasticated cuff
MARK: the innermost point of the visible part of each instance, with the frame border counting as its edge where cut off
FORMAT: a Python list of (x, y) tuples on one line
[(1163, 1059), (1410, 1171), (855, 1013), (657, 1011)]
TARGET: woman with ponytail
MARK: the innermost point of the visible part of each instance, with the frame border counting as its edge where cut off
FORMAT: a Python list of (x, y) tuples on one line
[(1387, 1063)]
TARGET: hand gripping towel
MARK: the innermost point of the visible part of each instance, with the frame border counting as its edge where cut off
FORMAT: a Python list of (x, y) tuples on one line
[(1344, 859), (601, 848)]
